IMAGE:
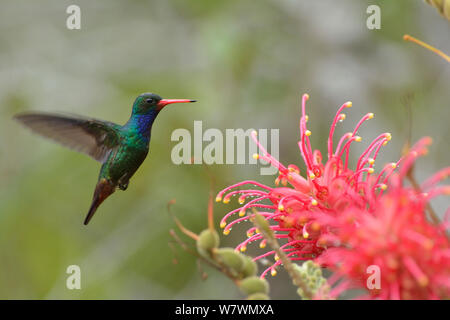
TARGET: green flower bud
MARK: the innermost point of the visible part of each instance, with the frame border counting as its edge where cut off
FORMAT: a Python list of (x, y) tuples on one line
[(258, 296), (250, 268), (253, 285), (297, 268), (322, 282), (311, 284), (309, 265), (207, 240), (318, 273), (231, 259), (300, 292)]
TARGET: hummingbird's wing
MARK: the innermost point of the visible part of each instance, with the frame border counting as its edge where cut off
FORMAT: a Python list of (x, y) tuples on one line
[(95, 138)]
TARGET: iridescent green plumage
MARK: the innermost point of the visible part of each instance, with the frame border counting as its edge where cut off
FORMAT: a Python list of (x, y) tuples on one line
[(121, 149)]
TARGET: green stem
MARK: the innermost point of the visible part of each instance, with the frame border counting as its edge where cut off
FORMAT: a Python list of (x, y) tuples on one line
[(287, 263)]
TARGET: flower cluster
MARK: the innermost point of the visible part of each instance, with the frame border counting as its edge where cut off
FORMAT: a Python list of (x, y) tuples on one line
[(328, 188), (350, 218), (412, 254)]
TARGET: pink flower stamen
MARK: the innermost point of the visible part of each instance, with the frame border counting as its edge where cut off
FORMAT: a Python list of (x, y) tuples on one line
[(338, 117)]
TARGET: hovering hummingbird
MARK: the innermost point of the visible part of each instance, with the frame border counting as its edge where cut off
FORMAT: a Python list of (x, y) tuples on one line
[(121, 149)]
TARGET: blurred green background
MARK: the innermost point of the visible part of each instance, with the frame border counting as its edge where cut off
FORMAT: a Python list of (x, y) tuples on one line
[(247, 63)]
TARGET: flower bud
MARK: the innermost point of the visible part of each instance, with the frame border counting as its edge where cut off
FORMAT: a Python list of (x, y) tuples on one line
[(207, 240), (258, 296), (250, 268), (254, 284), (231, 259), (301, 293), (318, 273)]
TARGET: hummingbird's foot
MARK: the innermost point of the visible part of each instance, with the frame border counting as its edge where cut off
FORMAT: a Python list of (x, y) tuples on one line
[(123, 186)]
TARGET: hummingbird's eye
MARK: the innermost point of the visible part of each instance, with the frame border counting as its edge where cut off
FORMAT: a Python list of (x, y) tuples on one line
[(150, 101)]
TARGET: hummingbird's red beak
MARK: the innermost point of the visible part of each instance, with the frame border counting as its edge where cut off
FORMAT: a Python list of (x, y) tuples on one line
[(164, 102)]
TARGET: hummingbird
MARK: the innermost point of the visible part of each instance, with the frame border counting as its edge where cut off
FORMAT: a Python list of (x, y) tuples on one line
[(120, 148)]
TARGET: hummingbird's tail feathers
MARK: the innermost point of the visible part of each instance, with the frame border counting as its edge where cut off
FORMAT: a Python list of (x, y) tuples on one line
[(103, 190)]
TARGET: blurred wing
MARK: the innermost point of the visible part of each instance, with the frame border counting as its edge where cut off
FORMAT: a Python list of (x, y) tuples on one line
[(90, 136)]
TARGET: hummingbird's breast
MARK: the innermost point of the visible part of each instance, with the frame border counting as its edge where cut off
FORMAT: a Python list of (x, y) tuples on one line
[(127, 158)]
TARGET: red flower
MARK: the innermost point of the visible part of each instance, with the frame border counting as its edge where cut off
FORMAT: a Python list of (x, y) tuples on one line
[(412, 254), (300, 212)]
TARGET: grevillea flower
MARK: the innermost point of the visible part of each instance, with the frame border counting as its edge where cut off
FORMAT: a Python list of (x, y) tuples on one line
[(413, 255), (298, 207)]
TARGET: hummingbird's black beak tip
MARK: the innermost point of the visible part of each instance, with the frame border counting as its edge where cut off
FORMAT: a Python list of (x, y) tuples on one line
[(193, 101)]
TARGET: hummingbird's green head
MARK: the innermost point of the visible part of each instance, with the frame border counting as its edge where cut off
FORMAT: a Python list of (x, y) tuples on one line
[(148, 103)]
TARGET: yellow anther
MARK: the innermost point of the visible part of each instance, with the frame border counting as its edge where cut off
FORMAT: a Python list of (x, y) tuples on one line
[(307, 133), (314, 202), (393, 165), (280, 207), (273, 272), (241, 213), (257, 230), (254, 132), (371, 161), (218, 198), (306, 96), (388, 136), (312, 175), (306, 118), (383, 186), (262, 244), (226, 232), (255, 156), (358, 139), (276, 257), (370, 115), (243, 248), (348, 104), (342, 117), (249, 234), (371, 170), (226, 200), (241, 200), (277, 181), (223, 224), (305, 234)]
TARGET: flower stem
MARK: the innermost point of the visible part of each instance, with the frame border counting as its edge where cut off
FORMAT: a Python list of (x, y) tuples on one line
[(287, 263)]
